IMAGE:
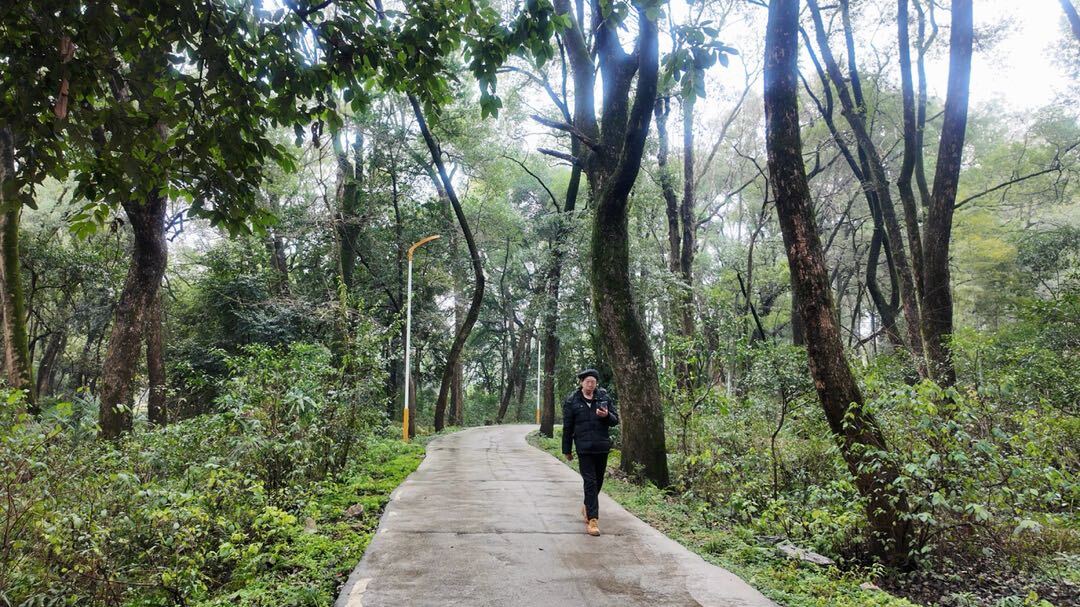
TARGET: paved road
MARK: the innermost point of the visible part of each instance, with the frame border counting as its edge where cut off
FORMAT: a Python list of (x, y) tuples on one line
[(487, 519)]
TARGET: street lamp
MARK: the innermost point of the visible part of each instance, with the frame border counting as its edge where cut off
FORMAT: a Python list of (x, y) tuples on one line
[(538, 361), (408, 337)]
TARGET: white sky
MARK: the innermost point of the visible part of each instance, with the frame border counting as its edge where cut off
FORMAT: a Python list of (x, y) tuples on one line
[(1019, 69)]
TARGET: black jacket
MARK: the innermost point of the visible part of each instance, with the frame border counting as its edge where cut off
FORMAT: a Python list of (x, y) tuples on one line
[(588, 431)]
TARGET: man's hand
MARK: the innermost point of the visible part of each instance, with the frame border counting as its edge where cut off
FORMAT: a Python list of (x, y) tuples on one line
[(569, 456), (601, 413)]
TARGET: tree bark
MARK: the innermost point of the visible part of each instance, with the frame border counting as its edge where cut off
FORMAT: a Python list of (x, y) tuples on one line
[(457, 379), (675, 307), (551, 311), (349, 189), (612, 169), (686, 218), (611, 153), (923, 42), (937, 295), (855, 430), (912, 146), (667, 186), (17, 364), (474, 253), (147, 268), (275, 246), (47, 367), (156, 411), (518, 359)]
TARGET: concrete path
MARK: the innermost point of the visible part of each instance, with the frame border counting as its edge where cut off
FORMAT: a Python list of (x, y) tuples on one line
[(487, 519)]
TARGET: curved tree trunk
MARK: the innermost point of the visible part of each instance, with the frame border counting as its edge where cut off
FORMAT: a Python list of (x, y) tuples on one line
[(611, 158), (478, 268), (854, 429), (937, 294), (912, 146), (144, 276)]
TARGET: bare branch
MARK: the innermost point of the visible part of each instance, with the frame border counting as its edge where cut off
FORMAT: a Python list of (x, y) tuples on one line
[(560, 155), (521, 164), (565, 127)]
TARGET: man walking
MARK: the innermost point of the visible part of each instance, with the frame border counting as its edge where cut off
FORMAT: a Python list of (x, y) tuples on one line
[(588, 413)]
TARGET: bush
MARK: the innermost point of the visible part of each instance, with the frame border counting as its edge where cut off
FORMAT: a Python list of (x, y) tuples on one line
[(207, 506)]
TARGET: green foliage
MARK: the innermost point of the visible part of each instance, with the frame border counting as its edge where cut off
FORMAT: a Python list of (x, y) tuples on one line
[(241, 507), (978, 478), (988, 473)]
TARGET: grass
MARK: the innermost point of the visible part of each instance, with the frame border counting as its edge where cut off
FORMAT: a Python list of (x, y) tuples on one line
[(318, 548), (788, 582)]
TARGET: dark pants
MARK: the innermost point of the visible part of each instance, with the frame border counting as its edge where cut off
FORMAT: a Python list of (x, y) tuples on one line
[(592, 466)]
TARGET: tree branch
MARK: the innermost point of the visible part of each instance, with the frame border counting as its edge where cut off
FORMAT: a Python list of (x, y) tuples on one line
[(560, 155), (538, 180), (566, 127), (1055, 166)]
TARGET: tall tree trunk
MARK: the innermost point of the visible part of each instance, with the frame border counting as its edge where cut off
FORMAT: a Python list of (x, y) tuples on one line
[(686, 218), (47, 367), (667, 183), (681, 231), (275, 247), (626, 341), (673, 315), (937, 295), (518, 360), (349, 191), (457, 394), (855, 430), (923, 43), (611, 158), (17, 364), (156, 410), (474, 253), (147, 268), (457, 378), (912, 146), (551, 311)]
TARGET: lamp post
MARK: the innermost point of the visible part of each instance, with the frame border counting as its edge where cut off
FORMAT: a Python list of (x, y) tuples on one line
[(538, 362), (408, 337)]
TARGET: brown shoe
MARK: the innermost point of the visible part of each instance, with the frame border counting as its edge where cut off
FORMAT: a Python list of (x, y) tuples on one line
[(592, 528)]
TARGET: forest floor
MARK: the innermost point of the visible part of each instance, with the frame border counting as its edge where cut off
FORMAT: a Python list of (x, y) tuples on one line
[(789, 582), (489, 520)]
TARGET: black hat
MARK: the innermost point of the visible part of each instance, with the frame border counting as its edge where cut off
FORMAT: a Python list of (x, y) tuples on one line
[(587, 373)]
